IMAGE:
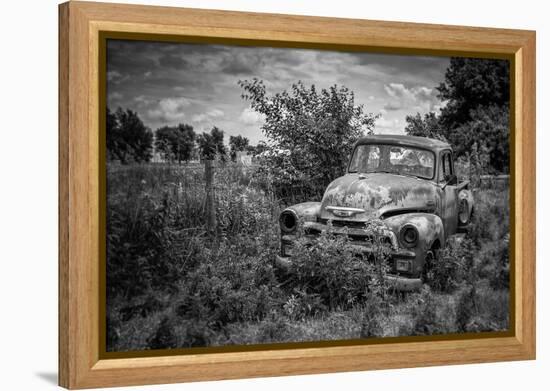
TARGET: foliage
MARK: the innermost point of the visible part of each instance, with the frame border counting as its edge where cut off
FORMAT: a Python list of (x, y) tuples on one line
[(211, 145), (478, 159), (327, 267), (314, 129), (186, 289), (491, 125), (259, 148), (176, 143), (425, 318), (449, 267), (476, 93), (472, 83), (424, 127), (237, 144), (128, 139)]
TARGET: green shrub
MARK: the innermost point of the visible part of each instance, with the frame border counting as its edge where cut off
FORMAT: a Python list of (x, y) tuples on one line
[(451, 265), (495, 263), (301, 305), (424, 312), (275, 328), (164, 337), (372, 313), (327, 267), (228, 287), (480, 308), (466, 308)]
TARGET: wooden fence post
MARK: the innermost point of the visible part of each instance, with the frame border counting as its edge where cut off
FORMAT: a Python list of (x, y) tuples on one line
[(210, 206)]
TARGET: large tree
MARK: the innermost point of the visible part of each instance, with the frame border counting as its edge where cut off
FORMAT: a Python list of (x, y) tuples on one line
[(476, 93), (175, 142), (211, 144), (471, 83), (312, 132), (128, 139)]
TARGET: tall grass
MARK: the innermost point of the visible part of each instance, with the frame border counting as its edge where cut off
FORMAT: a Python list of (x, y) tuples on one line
[(171, 284)]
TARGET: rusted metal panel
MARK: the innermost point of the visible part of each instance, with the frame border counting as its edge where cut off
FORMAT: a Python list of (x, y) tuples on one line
[(377, 193)]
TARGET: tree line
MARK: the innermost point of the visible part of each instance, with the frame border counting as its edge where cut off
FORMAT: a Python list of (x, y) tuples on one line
[(129, 140)]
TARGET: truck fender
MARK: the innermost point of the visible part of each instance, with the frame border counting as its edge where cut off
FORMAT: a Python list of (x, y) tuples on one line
[(430, 228), (306, 211)]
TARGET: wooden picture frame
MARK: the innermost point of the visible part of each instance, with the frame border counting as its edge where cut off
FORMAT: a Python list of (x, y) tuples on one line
[(81, 24)]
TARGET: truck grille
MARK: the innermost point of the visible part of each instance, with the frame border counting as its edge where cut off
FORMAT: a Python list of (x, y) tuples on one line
[(357, 236), (344, 223)]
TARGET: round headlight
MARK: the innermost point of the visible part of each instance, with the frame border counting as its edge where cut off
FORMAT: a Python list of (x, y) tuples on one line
[(409, 236), (288, 221)]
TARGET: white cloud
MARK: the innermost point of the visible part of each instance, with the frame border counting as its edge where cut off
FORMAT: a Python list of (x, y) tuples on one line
[(112, 75), (116, 77), (387, 125), (251, 117), (114, 96), (215, 113), (416, 99), (199, 118), (169, 109), (209, 115)]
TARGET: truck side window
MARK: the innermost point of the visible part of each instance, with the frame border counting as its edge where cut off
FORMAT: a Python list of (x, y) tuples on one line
[(446, 166)]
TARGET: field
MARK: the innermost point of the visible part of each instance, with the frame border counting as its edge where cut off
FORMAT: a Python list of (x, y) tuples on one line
[(172, 284)]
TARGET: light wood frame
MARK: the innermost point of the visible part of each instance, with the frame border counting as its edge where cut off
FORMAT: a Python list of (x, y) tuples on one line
[(80, 24)]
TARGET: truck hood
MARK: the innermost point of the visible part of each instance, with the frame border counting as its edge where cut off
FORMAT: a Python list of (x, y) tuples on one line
[(360, 197)]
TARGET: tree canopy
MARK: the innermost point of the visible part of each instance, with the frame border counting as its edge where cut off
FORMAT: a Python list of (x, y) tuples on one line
[(175, 142), (128, 139), (315, 129), (476, 93), (427, 126), (211, 144)]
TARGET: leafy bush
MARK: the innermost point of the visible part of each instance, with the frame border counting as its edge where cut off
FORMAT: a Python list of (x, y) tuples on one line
[(495, 263), (425, 319), (466, 307), (451, 264), (329, 268), (311, 132), (301, 305), (227, 289)]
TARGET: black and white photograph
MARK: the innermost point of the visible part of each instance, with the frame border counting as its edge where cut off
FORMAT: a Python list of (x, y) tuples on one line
[(267, 195)]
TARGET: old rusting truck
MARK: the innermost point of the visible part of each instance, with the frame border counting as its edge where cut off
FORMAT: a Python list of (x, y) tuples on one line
[(410, 184)]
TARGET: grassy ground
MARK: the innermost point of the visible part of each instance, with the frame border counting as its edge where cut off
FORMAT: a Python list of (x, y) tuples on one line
[(170, 284)]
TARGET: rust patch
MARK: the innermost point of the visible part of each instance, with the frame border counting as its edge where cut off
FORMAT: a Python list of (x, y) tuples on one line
[(373, 192)]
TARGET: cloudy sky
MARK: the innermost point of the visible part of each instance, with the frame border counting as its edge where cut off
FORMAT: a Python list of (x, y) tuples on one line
[(168, 83)]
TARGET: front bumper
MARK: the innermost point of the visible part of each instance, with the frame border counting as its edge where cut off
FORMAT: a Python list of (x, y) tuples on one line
[(396, 282)]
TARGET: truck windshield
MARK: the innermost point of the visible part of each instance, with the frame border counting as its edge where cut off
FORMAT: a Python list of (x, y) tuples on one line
[(368, 158)]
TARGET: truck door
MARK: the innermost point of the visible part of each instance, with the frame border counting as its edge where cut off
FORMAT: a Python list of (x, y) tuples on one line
[(448, 182)]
